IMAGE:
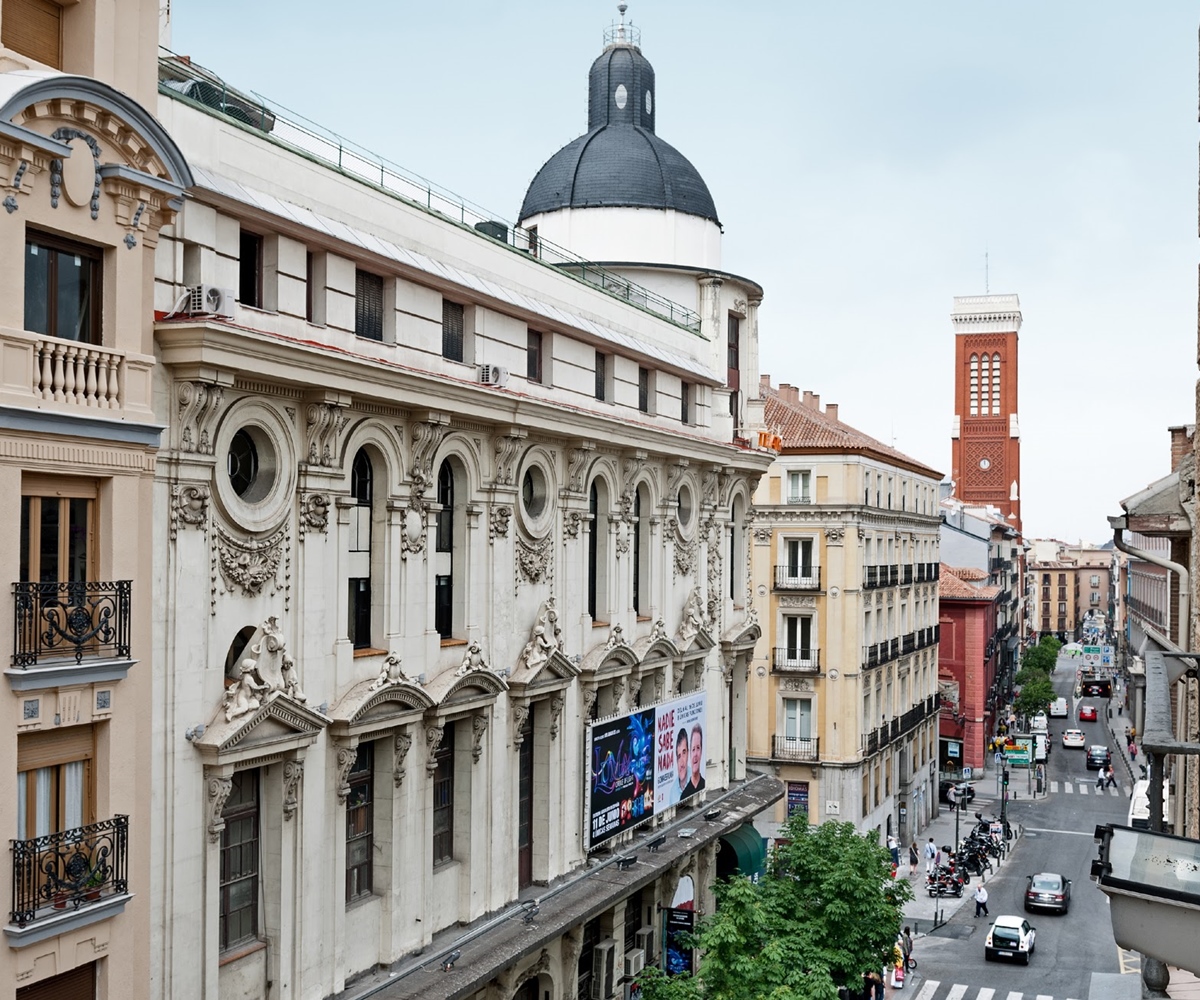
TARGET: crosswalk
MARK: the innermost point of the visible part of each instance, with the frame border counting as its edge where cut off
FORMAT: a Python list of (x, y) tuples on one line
[(1086, 786), (957, 991)]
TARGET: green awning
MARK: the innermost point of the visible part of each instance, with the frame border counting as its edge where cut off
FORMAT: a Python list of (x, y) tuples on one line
[(747, 845)]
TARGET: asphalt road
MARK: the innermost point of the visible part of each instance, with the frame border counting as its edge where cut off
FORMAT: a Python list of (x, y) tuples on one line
[(1059, 827)]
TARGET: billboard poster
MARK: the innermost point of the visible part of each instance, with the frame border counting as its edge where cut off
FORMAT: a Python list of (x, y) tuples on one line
[(678, 953), (622, 773), (797, 797), (680, 750)]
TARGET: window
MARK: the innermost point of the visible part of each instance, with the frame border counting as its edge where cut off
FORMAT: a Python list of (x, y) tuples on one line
[(1095, 581), (62, 288), (641, 553), (734, 351), (240, 862), (797, 718), (601, 376), (360, 823), (685, 403), (445, 519), (310, 278), (452, 330), (525, 767), (799, 487), (597, 553), (57, 543), (974, 387), (533, 356), (533, 240), (1095, 597), (448, 580), (368, 305), (798, 637), (55, 781), (250, 276), (644, 390), (242, 463), (995, 385), (443, 799), (359, 555), (34, 29)]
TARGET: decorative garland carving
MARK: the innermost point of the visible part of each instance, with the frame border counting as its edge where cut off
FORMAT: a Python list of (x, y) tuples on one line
[(762, 535), (577, 464), (314, 513), (415, 529), (218, 791), (251, 563), (834, 534), (571, 522), (507, 446), (433, 740), (533, 560), (501, 515), (403, 745), (346, 756), (685, 557), (691, 619), (325, 422), (714, 583), (293, 775), (198, 405), (479, 724), (189, 505), (66, 134)]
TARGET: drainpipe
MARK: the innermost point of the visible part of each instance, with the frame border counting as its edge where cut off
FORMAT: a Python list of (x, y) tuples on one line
[(1118, 526)]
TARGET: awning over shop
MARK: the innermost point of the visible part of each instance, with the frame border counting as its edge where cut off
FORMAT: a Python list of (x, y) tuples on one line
[(747, 846)]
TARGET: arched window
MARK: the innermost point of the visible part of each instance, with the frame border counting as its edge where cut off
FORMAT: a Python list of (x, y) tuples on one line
[(737, 552), (358, 607), (974, 398), (995, 385), (641, 553), (448, 611), (597, 553), (985, 384)]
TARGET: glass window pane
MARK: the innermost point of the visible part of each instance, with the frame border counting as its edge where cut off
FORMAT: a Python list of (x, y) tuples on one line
[(37, 289), (77, 540), (74, 296), (48, 543)]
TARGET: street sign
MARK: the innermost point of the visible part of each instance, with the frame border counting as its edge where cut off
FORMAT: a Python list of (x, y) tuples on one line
[(966, 773), (1020, 751), (1091, 656), (998, 757)]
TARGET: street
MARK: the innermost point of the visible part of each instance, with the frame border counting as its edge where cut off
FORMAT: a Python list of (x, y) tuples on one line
[(1075, 956)]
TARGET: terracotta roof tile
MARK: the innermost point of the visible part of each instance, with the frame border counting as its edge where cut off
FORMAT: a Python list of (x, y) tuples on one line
[(804, 427), (951, 585)]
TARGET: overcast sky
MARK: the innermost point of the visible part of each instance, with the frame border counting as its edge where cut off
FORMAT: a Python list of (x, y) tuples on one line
[(863, 158)]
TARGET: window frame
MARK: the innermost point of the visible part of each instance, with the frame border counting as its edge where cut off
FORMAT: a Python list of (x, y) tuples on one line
[(250, 271), (602, 366), (442, 791), (685, 403), (534, 359), (360, 824), (367, 325), (454, 313), (645, 384), (229, 815), (95, 256)]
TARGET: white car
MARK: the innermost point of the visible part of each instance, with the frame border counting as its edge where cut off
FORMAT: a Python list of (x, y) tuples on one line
[(1074, 738), (1009, 937)]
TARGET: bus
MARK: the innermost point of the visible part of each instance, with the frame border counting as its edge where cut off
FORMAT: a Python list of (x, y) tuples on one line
[(1139, 805)]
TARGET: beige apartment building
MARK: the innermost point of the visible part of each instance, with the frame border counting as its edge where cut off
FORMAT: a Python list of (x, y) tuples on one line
[(89, 180), (1068, 584), (843, 694)]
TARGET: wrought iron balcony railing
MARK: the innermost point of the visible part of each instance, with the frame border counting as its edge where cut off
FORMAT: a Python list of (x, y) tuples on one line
[(69, 870), (797, 748), (796, 660), (871, 577), (871, 656), (906, 574), (797, 577), (908, 643), (58, 621)]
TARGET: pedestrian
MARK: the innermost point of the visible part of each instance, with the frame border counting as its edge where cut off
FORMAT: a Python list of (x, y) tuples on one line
[(938, 860), (1111, 780), (1100, 780), (981, 898), (908, 944), (914, 858), (930, 856), (893, 846), (1132, 750)]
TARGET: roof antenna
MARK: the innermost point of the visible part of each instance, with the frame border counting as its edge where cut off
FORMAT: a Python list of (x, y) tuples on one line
[(621, 8)]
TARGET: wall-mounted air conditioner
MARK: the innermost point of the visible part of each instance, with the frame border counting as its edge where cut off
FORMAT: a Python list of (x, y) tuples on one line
[(210, 300), (635, 961), (603, 958), (645, 941), (493, 375)]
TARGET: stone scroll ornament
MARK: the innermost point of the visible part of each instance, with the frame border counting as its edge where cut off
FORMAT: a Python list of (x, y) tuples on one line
[(479, 724), (314, 513), (427, 437), (293, 776), (189, 505), (218, 791), (403, 745), (198, 405), (346, 756), (325, 422), (433, 740)]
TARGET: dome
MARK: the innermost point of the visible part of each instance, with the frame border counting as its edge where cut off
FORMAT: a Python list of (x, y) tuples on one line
[(619, 161), (619, 165)]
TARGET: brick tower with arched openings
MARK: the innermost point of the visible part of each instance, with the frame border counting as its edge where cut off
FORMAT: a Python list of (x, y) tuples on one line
[(986, 436)]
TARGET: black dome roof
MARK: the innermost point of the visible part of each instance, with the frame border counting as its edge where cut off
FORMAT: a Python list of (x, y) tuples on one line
[(619, 161)]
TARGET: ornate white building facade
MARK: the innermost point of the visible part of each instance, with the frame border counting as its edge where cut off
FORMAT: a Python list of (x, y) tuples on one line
[(430, 502)]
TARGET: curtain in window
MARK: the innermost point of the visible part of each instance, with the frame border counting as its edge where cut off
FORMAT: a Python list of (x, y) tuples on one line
[(73, 795), (45, 788)]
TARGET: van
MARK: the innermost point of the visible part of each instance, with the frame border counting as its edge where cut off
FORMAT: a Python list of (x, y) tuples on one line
[(1058, 709), (1038, 723)]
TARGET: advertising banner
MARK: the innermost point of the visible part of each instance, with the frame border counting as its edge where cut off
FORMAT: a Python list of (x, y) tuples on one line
[(680, 923), (797, 797), (644, 762), (1019, 751), (680, 750)]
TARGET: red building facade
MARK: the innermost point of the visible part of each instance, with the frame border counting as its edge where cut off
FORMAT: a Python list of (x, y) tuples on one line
[(967, 661)]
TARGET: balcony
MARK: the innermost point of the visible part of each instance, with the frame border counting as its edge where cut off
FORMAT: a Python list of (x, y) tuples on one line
[(908, 643), (795, 660), (75, 632), (796, 748), (871, 578), (66, 880), (797, 577), (871, 656)]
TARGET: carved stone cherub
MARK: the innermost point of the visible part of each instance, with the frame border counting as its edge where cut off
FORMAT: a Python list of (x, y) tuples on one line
[(538, 649), (242, 697), (291, 679)]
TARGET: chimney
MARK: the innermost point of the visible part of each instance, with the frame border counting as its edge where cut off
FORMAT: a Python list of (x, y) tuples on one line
[(783, 391), (1181, 443), (794, 394), (831, 411), (764, 381)]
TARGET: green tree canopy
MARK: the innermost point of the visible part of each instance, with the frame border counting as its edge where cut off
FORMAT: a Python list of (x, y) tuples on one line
[(1040, 657), (1028, 675), (826, 911), (1051, 643), (1035, 697)]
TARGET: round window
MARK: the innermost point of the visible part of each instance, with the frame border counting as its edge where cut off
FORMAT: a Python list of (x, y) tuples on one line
[(621, 96), (533, 492), (685, 506), (242, 463)]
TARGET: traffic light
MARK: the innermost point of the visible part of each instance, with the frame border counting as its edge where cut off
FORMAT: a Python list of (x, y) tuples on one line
[(1005, 778)]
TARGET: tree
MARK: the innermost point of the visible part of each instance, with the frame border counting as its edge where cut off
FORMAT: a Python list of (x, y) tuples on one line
[(1035, 697), (1052, 644), (1029, 674), (826, 910), (1039, 657)]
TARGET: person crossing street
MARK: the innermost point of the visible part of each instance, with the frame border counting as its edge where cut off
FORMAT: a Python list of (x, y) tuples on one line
[(981, 898)]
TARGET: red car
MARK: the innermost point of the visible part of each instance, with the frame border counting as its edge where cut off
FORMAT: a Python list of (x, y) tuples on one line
[(1087, 713)]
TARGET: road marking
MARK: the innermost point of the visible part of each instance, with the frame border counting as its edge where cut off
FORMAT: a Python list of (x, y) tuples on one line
[(1068, 787), (956, 992), (1044, 996), (929, 989), (1083, 789), (1015, 996), (1054, 786), (1129, 961), (985, 995), (1077, 833)]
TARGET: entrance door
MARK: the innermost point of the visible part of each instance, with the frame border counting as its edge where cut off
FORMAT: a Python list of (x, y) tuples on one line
[(525, 806)]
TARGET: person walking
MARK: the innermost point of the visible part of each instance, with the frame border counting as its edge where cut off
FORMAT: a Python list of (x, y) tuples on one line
[(1111, 781), (981, 898), (1100, 779), (914, 858), (1132, 750), (907, 938), (893, 846), (930, 855)]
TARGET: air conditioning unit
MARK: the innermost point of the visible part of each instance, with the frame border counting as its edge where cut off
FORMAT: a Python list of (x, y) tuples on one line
[(603, 957), (635, 961), (645, 939), (209, 299), (493, 375)]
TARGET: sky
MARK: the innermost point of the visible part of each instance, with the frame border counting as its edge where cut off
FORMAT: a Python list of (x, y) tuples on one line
[(865, 158)]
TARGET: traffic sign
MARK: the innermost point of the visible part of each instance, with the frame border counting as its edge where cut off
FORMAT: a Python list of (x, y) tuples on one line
[(998, 757)]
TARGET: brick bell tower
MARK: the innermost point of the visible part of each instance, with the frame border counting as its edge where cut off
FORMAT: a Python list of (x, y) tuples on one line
[(986, 437)]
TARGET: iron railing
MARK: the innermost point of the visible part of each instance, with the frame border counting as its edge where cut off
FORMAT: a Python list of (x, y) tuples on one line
[(181, 81), (58, 621), (797, 577), (796, 660), (871, 655), (797, 748), (908, 643), (68, 870), (906, 574)]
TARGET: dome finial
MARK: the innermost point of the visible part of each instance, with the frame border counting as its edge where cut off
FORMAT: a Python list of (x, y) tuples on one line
[(621, 33)]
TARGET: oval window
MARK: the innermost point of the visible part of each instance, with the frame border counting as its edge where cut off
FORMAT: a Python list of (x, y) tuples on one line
[(242, 464), (621, 96), (533, 492)]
